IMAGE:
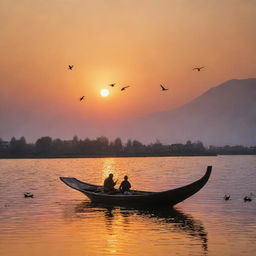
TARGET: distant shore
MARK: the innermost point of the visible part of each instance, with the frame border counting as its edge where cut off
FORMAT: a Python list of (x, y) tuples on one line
[(35, 156), (46, 147)]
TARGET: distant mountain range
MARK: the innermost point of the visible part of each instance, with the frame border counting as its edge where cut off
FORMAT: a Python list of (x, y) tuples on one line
[(225, 114)]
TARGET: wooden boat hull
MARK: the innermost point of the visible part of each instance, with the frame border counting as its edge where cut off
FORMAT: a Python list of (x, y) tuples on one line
[(139, 198)]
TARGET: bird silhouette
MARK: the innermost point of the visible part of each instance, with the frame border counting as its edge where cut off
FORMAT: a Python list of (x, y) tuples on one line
[(28, 194), (247, 199), (70, 67), (82, 98), (227, 197), (112, 85), (125, 88), (163, 88), (198, 68)]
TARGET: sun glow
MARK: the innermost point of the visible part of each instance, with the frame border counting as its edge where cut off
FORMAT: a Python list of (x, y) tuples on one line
[(104, 92)]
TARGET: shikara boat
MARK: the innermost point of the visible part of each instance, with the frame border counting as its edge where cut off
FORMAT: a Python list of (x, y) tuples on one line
[(138, 198)]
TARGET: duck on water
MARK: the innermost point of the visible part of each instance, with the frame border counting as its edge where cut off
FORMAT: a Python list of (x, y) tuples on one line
[(136, 198)]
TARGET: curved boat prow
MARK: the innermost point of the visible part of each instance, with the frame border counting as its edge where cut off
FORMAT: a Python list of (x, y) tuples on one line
[(180, 194), (78, 185), (208, 172)]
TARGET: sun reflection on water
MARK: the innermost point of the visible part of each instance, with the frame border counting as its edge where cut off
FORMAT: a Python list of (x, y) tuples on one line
[(109, 166)]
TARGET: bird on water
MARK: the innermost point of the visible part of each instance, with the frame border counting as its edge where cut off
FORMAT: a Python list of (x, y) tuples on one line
[(247, 199), (226, 197), (28, 194)]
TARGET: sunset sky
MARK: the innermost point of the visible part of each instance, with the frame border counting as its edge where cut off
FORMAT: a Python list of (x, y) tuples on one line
[(137, 43)]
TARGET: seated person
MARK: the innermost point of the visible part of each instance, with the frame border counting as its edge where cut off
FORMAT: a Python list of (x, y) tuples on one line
[(125, 185), (109, 184)]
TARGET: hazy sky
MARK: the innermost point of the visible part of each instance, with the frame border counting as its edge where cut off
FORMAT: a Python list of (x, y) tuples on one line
[(140, 43)]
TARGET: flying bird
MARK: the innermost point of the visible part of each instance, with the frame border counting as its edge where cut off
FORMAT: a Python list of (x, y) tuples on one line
[(82, 98), (112, 85), (198, 68), (163, 88), (125, 88), (70, 67)]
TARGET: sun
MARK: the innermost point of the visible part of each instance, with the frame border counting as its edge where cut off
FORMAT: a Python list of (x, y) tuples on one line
[(104, 92)]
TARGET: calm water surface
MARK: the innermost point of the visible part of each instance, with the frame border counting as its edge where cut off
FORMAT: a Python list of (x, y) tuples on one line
[(61, 221)]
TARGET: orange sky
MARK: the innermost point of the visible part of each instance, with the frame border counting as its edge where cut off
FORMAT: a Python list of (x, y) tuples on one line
[(137, 43)]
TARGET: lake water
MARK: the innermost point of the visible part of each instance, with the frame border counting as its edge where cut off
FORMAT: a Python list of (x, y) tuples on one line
[(61, 221)]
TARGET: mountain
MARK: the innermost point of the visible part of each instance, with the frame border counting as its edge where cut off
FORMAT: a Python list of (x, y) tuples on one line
[(225, 114)]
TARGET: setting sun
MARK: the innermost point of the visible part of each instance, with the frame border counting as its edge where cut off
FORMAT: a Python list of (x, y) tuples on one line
[(104, 92)]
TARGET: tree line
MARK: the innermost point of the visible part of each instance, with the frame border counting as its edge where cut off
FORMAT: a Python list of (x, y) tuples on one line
[(102, 146)]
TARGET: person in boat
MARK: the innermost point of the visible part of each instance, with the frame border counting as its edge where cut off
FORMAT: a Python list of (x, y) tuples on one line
[(125, 185), (109, 184)]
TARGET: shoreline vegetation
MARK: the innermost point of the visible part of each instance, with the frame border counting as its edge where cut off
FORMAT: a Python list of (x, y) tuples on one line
[(102, 147), (97, 156)]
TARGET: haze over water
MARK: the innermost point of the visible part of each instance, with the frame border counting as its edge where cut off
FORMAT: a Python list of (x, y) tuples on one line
[(61, 221)]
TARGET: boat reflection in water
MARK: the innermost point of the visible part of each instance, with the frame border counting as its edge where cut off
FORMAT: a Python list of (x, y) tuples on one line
[(164, 220)]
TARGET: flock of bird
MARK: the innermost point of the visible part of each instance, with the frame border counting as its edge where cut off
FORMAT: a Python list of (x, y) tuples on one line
[(246, 198), (70, 67)]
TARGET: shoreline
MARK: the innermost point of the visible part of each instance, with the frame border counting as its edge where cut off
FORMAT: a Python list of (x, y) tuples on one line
[(98, 156)]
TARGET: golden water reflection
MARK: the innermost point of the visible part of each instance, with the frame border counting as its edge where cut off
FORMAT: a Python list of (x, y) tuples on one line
[(112, 165), (109, 166), (120, 222)]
